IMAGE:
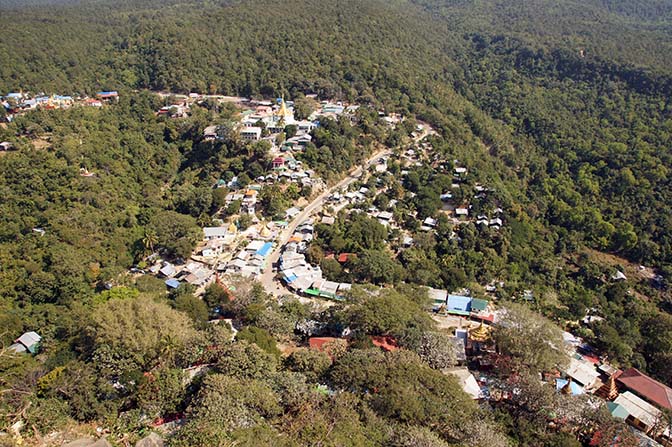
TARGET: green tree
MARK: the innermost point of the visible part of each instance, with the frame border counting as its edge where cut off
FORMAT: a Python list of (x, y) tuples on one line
[(136, 334), (530, 338), (194, 307), (384, 312), (150, 240), (176, 232), (161, 392), (377, 267), (245, 360), (310, 362), (259, 337)]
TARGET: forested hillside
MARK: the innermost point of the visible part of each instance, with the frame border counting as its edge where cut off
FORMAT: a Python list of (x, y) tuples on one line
[(563, 108)]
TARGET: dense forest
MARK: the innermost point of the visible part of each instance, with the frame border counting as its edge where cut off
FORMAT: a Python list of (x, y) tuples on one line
[(562, 107)]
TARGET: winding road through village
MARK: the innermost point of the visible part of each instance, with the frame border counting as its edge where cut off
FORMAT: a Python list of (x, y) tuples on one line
[(267, 279)]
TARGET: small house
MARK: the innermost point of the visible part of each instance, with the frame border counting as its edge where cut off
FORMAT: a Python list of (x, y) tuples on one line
[(640, 413), (459, 305), (28, 342), (210, 133), (438, 297), (345, 257), (172, 283), (168, 270), (582, 372), (108, 96), (278, 163), (618, 276), (292, 212), (462, 212), (430, 222), (646, 387), (327, 220), (212, 233)]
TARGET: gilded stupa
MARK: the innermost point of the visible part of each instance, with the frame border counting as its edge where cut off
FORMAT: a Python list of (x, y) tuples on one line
[(481, 333), (283, 113), (567, 389), (608, 391)]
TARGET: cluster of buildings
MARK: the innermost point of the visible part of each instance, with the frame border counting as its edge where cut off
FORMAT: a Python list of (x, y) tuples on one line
[(495, 222), (247, 198), (195, 273), (634, 397), (17, 103), (299, 275), (251, 260), (458, 211), (462, 305), (273, 118), (177, 110), (266, 119), (631, 395)]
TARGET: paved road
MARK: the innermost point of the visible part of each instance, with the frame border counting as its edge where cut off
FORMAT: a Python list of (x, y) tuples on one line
[(267, 279)]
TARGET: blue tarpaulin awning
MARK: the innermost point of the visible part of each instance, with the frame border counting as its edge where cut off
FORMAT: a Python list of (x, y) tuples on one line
[(265, 249), (575, 387), (172, 283)]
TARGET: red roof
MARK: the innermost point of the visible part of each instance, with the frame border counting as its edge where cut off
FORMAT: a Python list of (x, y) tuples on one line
[(648, 388), (485, 317), (278, 160), (595, 360), (343, 257), (386, 343)]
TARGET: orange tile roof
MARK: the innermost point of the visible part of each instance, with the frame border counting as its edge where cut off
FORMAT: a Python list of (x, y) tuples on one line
[(343, 257)]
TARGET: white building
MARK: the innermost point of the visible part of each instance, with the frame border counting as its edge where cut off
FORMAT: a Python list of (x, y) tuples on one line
[(211, 233), (251, 133)]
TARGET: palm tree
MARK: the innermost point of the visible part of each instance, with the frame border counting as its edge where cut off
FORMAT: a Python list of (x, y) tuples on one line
[(150, 240)]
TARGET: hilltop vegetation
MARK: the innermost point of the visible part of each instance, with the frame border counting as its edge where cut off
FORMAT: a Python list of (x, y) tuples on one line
[(562, 108)]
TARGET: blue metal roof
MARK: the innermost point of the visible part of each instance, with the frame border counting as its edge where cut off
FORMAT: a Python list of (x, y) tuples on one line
[(265, 249), (290, 278), (459, 303), (172, 283)]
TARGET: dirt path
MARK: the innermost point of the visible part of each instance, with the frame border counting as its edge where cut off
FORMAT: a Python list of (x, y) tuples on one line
[(268, 277)]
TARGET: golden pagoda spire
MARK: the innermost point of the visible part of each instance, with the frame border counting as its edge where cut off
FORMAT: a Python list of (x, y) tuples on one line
[(481, 333), (282, 112), (608, 390), (567, 389)]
